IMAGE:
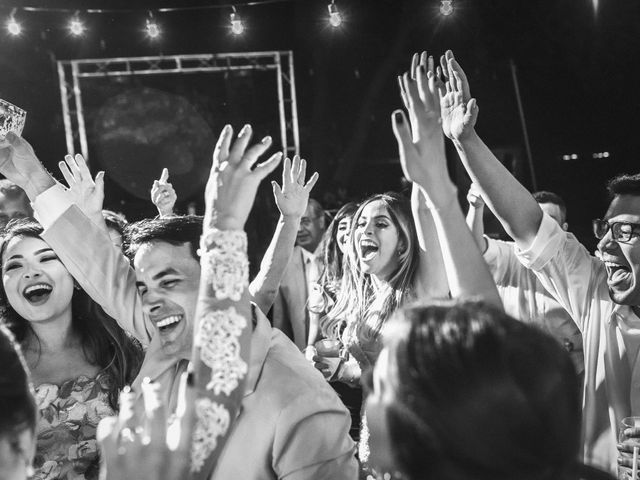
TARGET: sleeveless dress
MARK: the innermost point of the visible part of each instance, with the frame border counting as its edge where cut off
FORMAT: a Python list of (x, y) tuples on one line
[(66, 431)]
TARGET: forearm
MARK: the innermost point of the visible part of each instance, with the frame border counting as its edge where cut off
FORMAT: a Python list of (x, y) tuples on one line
[(432, 277), (511, 202), (476, 225), (467, 272), (264, 287)]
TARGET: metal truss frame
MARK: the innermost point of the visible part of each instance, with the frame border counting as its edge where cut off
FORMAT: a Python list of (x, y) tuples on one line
[(71, 71)]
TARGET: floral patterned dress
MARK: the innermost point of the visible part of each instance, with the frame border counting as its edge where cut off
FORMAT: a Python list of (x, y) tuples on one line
[(66, 432)]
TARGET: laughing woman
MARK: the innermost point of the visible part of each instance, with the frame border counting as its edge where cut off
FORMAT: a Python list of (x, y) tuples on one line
[(78, 357)]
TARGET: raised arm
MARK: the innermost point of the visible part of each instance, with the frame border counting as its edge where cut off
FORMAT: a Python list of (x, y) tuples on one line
[(474, 216), (291, 200), (224, 322), (511, 203), (163, 195), (423, 161)]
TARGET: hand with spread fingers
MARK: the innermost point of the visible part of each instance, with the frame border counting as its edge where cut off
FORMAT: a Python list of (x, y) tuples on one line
[(163, 195), (420, 139), (292, 197), (459, 110), (85, 192), (229, 207), (156, 449)]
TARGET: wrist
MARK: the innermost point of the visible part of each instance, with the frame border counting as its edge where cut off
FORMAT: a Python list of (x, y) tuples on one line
[(38, 182), (466, 140)]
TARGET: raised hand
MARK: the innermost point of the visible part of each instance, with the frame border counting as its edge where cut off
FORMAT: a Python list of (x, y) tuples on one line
[(459, 111), (232, 184), (163, 195), (293, 196), (85, 192), (474, 197), (420, 140), (18, 162), (156, 447)]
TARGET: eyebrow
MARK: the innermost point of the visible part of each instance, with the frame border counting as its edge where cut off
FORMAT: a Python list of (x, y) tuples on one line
[(160, 274), (37, 252)]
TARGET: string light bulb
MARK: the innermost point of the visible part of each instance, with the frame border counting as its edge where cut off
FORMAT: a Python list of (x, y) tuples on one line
[(153, 31), (13, 27), (237, 27), (76, 27), (335, 19), (446, 7)]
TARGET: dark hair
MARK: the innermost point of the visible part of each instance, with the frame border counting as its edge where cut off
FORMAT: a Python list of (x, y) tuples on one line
[(470, 375), (176, 230), (316, 207), (115, 221), (333, 267), (12, 191), (544, 196), (624, 185), (18, 410), (104, 343)]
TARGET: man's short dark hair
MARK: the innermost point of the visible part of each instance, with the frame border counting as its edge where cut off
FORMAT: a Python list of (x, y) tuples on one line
[(115, 221), (624, 185), (544, 196), (176, 230)]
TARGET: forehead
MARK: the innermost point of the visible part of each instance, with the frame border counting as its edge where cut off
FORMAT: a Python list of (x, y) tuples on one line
[(375, 209), (23, 245), (624, 208), (156, 256)]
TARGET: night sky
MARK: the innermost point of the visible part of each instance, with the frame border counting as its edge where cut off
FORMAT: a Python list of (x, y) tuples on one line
[(578, 74)]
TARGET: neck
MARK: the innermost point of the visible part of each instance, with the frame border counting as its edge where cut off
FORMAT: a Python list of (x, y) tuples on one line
[(379, 283), (53, 335)]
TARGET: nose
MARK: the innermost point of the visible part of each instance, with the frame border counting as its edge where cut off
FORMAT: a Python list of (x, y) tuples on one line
[(607, 243), (151, 302), (32, 272)]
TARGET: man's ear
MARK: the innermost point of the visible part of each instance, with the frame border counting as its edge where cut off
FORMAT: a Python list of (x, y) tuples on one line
[(323, 221)]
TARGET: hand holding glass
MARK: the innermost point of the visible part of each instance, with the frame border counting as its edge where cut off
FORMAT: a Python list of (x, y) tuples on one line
[(628, 448), (12, 119)]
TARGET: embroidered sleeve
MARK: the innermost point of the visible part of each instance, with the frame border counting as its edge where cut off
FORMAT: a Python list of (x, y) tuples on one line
[(212, 421), (224, 262), (218, 339)]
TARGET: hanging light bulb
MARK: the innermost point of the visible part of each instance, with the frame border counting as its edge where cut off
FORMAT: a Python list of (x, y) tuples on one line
[(13, 27), (446, 7), (152, 28), (237, 27), (335, 19), (76, 27)]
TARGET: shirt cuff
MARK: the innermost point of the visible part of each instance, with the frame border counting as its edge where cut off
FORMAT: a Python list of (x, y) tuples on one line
[(548, 241), (51, 204)]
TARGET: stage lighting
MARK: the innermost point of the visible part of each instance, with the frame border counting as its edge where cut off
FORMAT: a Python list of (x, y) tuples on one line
[(237, 27), (446, 7), (335, 19), (76, 27), (153, 31), (13, 27)]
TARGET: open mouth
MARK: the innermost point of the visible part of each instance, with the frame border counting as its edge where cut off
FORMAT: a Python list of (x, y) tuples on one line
[(168, 323), (38, 293), (368, 249), (616, 272)]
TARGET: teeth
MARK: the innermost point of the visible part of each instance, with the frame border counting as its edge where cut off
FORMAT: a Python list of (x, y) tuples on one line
[(367, 243), (168, 321), (39, 286)]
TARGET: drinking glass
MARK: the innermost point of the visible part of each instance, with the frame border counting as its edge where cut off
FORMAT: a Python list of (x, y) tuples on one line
[(625, 473), (12, 119), (329, 350)]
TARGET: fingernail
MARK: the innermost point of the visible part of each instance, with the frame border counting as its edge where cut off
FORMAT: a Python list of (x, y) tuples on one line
[(244, 130), (398, 116), (266, 139)]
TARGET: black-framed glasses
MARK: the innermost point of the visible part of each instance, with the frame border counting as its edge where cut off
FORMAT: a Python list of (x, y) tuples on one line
[(620, 231)]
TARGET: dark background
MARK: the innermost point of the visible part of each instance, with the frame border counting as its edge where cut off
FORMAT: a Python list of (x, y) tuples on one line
[(578, 74)]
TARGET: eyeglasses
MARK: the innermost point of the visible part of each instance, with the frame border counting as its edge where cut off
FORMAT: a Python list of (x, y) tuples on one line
[(620, 231)]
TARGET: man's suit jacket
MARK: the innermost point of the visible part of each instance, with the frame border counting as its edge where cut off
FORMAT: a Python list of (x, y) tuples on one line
[(292, 425), (290, 312)]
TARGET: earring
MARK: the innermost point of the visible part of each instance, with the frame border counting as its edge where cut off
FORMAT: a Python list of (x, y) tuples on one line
[(76, 286)]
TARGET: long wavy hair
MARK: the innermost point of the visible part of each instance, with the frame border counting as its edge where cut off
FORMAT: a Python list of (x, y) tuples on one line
[(464, 373), (354, 307), (103, 342)]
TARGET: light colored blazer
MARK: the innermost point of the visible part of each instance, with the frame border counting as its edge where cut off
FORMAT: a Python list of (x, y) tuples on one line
[(290, 312), (292, 425)]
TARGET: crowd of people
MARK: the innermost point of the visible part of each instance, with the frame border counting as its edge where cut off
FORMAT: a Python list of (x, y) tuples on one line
[(392, 341)]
